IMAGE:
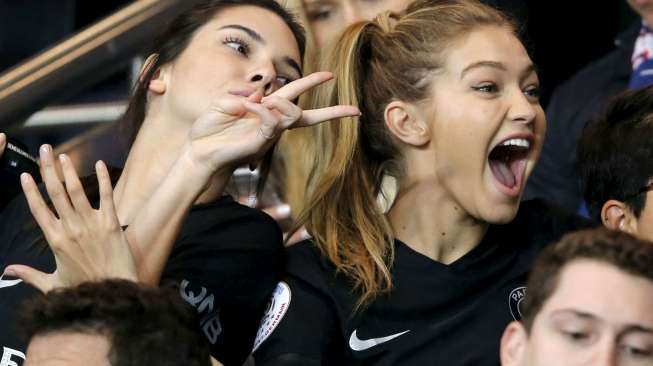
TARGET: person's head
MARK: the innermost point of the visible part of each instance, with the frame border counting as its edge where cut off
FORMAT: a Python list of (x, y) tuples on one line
[(644, 8), (115, 322), (328, 18), (588, 302), (615, 162), (449, 97), (218, 49)]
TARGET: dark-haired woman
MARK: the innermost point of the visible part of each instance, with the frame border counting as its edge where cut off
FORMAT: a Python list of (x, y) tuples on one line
[(211, 97)]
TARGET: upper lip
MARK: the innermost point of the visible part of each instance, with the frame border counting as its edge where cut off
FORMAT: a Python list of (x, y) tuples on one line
[(242, 93)]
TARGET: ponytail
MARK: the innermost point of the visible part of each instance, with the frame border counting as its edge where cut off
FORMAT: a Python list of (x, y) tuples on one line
[(341, 211)]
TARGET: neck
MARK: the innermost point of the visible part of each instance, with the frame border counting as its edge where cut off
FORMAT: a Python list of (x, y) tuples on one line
[(427, 219), (157, 147)]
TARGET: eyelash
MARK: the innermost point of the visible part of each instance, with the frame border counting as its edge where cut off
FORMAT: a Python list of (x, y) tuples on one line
[(245, 46), (319, 15), (531, 92)]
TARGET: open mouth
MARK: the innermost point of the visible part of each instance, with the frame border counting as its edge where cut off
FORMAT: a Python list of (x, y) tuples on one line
[(508, 162)]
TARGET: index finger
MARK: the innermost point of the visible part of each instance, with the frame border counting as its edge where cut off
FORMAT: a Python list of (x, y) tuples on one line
[(315, 116), (299, 86)]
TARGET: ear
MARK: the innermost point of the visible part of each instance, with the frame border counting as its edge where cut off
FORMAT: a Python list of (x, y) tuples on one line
[(405, 122), (513, 344), (615, 215), (157, 83)]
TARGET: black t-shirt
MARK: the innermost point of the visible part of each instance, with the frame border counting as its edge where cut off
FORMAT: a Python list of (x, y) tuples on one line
[(226, 262), (436, 314)]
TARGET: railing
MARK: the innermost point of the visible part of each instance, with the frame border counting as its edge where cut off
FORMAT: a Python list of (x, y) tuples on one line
[(83, 59)]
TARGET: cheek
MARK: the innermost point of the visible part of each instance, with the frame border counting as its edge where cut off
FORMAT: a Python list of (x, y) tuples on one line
[(645, 221)]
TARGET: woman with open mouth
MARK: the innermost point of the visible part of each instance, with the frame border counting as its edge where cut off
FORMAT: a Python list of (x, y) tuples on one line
[(420, 249)]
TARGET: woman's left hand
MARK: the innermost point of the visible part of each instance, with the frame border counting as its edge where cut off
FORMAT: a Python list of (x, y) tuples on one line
[(88, 244)]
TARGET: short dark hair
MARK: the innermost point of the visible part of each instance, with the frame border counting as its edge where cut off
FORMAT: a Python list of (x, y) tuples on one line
[(619, 249), (145, 325), (615, 153)]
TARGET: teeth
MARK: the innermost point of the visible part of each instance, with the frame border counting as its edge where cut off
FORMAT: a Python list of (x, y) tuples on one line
[(517, 142)]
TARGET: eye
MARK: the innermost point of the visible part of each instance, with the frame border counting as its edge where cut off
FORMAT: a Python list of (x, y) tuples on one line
[(636, 352), (488, 88), (237, 45), (320, 14), (533, 92), (576, 336)]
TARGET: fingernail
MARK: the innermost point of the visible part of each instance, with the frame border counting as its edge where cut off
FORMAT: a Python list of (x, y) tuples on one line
[(45, 149), (24, 177), (9, 272), (63, 158)]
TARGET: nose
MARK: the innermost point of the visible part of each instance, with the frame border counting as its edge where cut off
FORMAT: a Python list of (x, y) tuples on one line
[(522, 109), (263, 76), (605, 355)]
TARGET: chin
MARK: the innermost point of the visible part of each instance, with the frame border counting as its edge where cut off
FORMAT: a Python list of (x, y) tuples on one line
[(501, 212)]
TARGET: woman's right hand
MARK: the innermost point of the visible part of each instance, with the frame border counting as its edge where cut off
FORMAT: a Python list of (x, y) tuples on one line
[(240, 130)]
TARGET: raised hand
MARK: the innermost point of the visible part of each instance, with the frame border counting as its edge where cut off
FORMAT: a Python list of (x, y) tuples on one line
[(233, 132), (239, 130), (88, 244)]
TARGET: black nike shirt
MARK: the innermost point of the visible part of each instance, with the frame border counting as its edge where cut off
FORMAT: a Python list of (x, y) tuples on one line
[(436, 314), (225, 263)]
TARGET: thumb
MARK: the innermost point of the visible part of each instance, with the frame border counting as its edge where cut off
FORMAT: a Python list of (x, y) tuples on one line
[(42, 281)]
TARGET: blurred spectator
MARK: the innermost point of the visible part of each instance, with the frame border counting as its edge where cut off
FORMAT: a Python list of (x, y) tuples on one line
[(577, 102), (588, 303), (615, 163), (112, 323)]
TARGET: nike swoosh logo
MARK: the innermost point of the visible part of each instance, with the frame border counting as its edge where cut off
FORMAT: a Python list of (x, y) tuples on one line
[(9, 283), (358, 344)]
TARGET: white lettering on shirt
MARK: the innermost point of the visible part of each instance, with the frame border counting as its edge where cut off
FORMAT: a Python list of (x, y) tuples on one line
[(8, 357)]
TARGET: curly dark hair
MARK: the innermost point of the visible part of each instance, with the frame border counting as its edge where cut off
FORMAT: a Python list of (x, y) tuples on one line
[(145, 325), (619, 249)]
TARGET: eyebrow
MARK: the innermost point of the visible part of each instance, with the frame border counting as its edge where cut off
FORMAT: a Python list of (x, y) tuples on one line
[(629, 328), (636, 328), (496, 65), (258, 38)]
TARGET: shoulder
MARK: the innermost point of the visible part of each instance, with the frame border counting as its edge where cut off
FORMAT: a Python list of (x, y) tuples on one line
[(305, 262), (229, 224), (545, 222)]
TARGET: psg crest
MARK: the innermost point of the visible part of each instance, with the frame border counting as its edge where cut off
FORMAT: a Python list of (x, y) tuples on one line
[(515, 300)]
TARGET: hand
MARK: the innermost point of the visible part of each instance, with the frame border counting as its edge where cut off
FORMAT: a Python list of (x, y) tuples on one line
[(88, 244), (240, 130)]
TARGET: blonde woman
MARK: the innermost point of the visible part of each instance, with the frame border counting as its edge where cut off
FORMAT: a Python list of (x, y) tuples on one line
[(451, 114)]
